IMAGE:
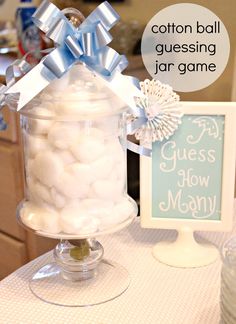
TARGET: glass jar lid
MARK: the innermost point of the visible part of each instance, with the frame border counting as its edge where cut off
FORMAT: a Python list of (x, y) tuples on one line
[(78, 94)]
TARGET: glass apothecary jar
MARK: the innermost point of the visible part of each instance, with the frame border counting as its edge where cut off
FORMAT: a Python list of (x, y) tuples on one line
[(74, 136), (75, 160)]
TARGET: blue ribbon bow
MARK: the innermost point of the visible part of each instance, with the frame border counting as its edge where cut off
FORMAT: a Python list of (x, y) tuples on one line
[(87, 44), (19, 68)]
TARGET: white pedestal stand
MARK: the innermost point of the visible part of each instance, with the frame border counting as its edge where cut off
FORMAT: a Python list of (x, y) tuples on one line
[(185, 252)]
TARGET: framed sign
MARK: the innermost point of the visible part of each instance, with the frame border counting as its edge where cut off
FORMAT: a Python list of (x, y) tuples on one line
[(189, 181)]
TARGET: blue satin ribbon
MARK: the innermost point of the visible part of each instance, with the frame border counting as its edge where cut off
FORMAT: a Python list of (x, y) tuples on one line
[(86, 44), (15, 70)]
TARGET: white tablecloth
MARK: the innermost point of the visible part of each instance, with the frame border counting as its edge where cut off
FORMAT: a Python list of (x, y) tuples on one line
[(158, 294)]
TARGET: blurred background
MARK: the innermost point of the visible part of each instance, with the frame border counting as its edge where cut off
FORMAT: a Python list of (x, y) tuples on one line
[(16, 245)]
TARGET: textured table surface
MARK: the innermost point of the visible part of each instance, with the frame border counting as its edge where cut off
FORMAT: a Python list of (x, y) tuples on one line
[(158, 294)]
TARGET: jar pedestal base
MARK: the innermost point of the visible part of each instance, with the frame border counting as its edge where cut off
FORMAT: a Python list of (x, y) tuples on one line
[(70, 282)]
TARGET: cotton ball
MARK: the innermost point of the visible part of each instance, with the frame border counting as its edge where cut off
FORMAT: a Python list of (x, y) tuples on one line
[(121, 212), (88, 148), (83, 225), (118, 172), (109, 125), (40, 218), (28, 166), (71, 207), (121, 188), (31, 191), (39, 193), (102, 167), (82, 172), (50, 221), (30, 216), (107, 189), (75, 220), (36, 144), (42, 192), (62, 134), (91, 193), (47, 167), (109, 222), (121, 170), (58, 200), (115, 148), (70, 186), (40, 126), (93, 131), (125, 208), (97, 207), (66, 156)]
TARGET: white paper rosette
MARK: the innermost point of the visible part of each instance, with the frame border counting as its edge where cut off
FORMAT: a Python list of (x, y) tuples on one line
[(163, 110)]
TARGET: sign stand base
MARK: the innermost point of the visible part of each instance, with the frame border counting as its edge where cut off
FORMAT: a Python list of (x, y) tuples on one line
[(185, 252)]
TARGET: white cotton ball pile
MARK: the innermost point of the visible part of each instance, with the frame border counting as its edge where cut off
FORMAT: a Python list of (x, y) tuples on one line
[(47, 167), (31, 192), (68, 185), (97, 207), (120, 213), (77, 220), (36, 144), (76, 173), (50, 221), (62, 134), (28, 165), (66, 156), (114, 148), (108, 189), (42, 192), (37, 126), (58, 200), (40, 218), (124, 209), (102, 167), (31, 216), (88, 148), (81, 172)]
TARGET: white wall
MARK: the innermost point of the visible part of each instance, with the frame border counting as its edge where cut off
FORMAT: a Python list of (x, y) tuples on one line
[(8, 9)]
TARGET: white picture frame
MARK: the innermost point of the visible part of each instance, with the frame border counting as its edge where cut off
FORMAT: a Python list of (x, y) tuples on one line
[(148, 220)]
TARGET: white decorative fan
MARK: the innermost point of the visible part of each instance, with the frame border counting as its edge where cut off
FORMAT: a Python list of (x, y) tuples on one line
[(162, 109)]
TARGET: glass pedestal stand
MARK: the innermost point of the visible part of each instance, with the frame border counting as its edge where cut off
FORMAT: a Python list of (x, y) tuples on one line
[(79, 276)]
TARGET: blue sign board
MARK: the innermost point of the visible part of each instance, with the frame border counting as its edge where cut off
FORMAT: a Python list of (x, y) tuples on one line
[(187, 170)]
